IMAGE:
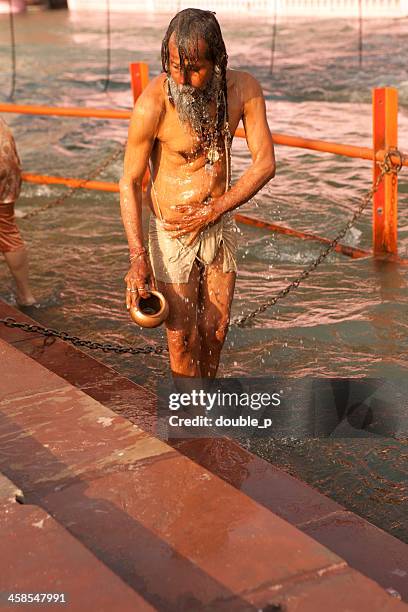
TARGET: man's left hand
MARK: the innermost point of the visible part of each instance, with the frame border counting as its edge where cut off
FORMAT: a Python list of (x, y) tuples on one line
[(194, 218)]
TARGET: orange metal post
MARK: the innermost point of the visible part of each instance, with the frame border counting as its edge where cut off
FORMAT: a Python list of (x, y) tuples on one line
[(385, 201), (139, 78), (69, 182), (275, 227), (281, 139), (64, 111)]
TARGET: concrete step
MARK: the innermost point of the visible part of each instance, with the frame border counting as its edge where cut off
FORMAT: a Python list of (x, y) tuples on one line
[(362, 545), (179, 536), (43, 557)]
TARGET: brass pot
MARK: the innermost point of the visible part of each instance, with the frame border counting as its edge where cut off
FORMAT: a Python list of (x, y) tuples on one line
[(150, 311)]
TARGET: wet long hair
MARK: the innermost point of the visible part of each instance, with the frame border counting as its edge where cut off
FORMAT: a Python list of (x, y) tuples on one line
[(189, 26)]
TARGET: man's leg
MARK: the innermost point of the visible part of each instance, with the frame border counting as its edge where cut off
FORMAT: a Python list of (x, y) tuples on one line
[(14, 251), (181, 325), (17, 261), (216, 293)]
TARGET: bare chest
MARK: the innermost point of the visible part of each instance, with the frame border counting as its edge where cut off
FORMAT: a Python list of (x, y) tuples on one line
[(176, 139)]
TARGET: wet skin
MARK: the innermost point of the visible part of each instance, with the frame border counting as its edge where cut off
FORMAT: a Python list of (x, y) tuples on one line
[(199, 310)]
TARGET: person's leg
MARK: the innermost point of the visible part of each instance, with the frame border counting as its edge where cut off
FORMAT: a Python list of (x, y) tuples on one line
[(215, 298), (17, 262), (181, 325), (14, 251)]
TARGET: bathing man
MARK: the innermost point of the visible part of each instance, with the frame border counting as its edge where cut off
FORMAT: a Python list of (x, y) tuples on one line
[(183, 122)]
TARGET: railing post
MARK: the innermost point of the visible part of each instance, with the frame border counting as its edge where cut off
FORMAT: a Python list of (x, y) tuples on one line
[(139, 78), (385, 201)]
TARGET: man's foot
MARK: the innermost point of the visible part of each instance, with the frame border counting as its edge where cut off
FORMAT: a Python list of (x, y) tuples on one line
[(29, 309), (31, 302), (24, 296)]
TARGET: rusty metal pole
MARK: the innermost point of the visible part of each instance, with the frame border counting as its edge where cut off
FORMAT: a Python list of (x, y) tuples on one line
[(139, 78), (360, 34), (385, 201)]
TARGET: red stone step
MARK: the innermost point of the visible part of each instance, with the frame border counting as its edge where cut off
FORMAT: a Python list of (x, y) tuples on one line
[(54, 461), (42, 557)]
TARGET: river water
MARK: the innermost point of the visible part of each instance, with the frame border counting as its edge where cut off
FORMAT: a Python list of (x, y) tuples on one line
[(348, 320)]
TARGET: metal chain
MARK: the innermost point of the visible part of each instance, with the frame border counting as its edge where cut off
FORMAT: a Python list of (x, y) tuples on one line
[(110, 159), (387, 167), (107, 347)]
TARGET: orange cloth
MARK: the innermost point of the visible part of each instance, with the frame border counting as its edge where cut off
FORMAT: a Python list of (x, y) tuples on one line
[(10, 239), (10, 169), (10, 184)]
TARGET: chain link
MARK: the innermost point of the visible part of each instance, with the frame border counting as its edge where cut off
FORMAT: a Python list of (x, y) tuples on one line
[(107, 347), (96, 172), (387, 167)]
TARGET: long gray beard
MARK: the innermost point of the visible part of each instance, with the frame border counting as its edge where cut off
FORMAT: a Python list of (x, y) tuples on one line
[(192, 103)]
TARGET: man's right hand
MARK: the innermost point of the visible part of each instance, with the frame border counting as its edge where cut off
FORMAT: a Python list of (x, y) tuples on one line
[(140, 274)]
